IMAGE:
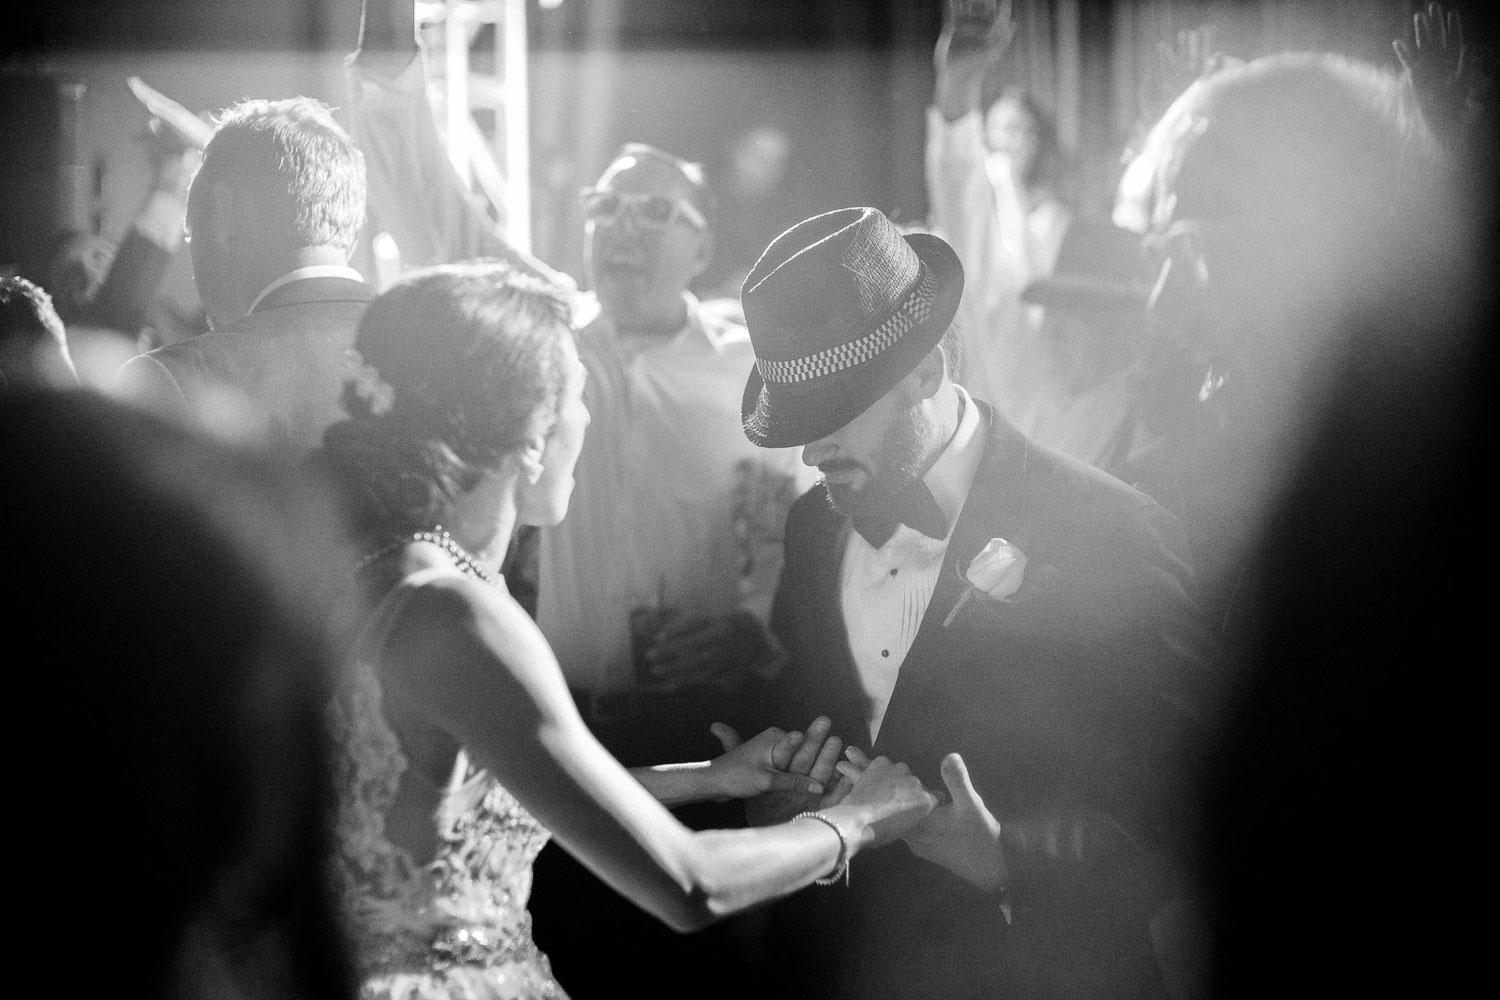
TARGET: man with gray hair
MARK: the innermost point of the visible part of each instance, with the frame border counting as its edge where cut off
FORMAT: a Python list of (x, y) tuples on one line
[(273, 216)]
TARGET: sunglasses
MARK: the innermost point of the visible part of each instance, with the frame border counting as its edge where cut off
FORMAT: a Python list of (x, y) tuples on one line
[(652, 211)]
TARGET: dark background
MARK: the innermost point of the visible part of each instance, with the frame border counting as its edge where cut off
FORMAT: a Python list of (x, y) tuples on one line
[(847, 82)]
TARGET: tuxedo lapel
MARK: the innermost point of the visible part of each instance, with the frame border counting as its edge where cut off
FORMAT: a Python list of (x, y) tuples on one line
[(994, 508)]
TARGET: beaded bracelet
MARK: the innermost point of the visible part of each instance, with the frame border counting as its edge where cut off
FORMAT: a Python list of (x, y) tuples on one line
[(840, 870)]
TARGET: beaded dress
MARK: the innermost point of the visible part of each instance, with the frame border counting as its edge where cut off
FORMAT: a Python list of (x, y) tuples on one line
[(455, 927)]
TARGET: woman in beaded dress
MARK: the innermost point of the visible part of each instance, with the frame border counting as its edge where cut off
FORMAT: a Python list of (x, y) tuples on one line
[(461, 745)]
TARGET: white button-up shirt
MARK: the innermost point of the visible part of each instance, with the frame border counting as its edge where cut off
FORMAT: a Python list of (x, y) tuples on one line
[(885, 591), (656, 493)]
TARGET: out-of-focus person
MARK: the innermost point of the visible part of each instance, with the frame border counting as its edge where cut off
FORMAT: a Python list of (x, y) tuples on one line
[(33, 341), (108, 293), (1093, 336), (1294, 198), (676, 509), (995, 192), (1280, 195), (462, 746), (274, 213), (175, 688)]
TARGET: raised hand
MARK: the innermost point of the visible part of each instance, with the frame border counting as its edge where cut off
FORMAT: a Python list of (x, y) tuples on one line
[(975, 36), (1445, 75), (963, 835), (1178, 63)]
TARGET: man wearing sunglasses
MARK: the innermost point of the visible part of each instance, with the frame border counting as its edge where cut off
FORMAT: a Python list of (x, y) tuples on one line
[(660, 482), (675, 524)]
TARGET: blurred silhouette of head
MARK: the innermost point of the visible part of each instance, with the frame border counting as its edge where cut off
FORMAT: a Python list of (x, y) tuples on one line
[(33, 341), (1282, 193), (176, 705), (281, 185)]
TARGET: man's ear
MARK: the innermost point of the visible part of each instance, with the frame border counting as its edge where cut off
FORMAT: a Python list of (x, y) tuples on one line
[(928, 376)]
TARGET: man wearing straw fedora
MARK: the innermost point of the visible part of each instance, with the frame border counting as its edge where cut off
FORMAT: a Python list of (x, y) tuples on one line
[(1015, 625)]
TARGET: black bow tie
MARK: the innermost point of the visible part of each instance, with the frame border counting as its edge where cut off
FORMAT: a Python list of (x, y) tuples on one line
[(912, 505)]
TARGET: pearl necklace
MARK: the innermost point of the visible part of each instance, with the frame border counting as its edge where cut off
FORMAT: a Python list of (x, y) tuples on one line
[(437, 536)]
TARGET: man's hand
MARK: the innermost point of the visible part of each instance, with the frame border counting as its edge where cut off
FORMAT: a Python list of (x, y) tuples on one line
[(710, 649), (815, 756), (975, 36), (962, 835), (751, 768)]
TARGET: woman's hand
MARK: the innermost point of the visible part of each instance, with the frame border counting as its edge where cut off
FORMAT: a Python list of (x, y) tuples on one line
[(890, 798)]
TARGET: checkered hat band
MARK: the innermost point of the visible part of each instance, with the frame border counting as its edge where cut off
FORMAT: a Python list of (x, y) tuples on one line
[(913, 311)]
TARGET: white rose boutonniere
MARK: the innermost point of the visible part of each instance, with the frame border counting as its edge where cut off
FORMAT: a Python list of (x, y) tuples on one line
[(995, 574)]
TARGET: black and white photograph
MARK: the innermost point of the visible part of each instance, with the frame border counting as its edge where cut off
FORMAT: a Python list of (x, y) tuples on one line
[(749, 499)]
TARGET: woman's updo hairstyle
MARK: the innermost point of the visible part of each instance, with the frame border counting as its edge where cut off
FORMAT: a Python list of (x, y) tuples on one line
[(455, 367)]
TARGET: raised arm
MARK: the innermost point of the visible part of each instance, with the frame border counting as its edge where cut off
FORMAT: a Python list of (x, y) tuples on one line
[(975, 36), (415, 194), (478, 667)]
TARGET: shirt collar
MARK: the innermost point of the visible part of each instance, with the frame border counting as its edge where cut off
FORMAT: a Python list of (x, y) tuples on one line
[(952, 474), (310, 271), (717, 333)]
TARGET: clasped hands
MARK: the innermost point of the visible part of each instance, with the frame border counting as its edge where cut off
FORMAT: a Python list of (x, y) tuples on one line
[(787, 773)]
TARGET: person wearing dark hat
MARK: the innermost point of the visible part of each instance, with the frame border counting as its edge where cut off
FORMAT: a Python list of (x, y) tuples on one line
[(1092, 335), (1008, 621)]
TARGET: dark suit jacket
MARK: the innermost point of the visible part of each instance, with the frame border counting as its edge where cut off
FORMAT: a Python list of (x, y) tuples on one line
[(279, 369), (1064, 705)]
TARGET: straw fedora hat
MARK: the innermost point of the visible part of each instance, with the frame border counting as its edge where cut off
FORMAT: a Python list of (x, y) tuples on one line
[(840, 308)]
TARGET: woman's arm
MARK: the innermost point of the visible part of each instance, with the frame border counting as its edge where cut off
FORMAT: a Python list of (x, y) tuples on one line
[(478, 666)]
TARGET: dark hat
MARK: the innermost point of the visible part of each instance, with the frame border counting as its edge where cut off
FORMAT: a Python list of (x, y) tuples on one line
[(840, 307), (1099, 266)]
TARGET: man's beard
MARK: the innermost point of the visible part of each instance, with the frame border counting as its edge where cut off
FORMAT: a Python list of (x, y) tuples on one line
[(897, 460)]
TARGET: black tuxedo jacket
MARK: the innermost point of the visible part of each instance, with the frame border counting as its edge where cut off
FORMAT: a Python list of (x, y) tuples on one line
[(1066, 705)]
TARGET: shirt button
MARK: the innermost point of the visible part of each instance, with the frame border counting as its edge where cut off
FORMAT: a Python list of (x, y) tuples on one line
[(893, 572), (885, 652)]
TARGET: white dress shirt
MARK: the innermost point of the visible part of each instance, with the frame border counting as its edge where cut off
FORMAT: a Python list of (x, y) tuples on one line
[(656, 490), (885, 591)]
